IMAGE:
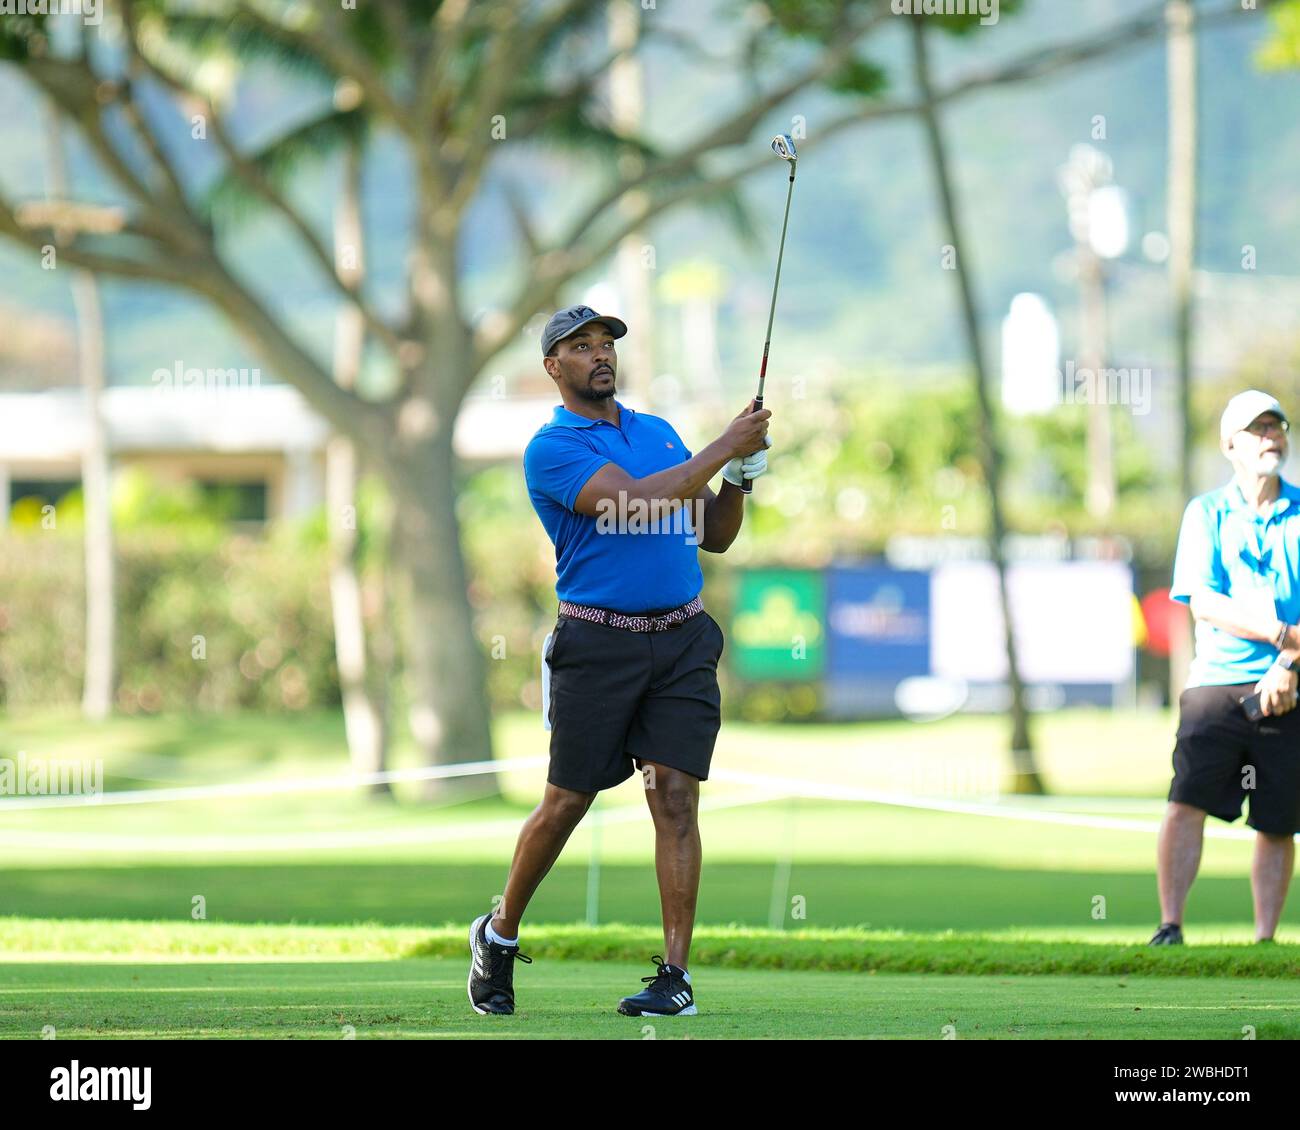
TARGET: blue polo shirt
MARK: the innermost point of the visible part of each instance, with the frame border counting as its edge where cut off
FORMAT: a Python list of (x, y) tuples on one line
[(1224, 545), (631, 567)]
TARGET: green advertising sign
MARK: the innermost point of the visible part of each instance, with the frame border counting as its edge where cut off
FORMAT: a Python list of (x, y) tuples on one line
[(777, 631)]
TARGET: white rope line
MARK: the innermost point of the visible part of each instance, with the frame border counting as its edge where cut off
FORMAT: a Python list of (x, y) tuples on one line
[(783, 786), (824, 791), (321, 841), (272, 788)]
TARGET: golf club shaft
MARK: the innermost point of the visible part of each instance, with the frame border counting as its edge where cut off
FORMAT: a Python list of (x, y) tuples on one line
[(747, 485)]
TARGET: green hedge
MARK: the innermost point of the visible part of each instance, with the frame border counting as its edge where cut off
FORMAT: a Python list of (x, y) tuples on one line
[(203, 623)]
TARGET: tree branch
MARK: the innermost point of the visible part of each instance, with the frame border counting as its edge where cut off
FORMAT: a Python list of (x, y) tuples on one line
[(345, 411), (256, 181), (573, 94), (209, 278), (519, 210), (556, 266), (432, 99), (134, 115), (30, 227), (336, 51), (67, 85), (735, 130), (1051, 60)]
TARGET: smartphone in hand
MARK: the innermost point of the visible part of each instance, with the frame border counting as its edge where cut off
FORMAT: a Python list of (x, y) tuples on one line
[(1250, 704)]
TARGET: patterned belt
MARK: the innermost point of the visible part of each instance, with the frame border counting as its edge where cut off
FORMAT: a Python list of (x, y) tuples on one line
[(632, 623)]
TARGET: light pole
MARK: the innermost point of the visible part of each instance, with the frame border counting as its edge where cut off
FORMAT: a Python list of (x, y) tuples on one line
[(1099, 224)]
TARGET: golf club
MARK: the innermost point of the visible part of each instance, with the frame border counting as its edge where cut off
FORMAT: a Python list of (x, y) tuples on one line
[(783, 147)]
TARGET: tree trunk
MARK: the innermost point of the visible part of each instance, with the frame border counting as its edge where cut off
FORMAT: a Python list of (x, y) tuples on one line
[(626, 99), (1100, 491), (1024, 777), (445, 673), (1181, 18), (96, 483), (1182, 215), (96, 475), (365, 714)]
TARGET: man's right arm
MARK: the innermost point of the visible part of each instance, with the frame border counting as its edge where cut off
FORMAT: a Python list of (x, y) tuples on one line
[(1241, 619), (1200, 581), (669, 489)]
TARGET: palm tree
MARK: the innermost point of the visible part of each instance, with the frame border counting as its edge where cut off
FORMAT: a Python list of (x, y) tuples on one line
[(1025, 777)]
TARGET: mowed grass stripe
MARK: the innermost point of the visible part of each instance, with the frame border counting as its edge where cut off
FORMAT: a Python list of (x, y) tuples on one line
[(27, 941), (425, 998)]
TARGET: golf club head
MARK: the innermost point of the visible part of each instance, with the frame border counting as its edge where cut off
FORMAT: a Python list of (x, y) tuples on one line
[(783, 147)]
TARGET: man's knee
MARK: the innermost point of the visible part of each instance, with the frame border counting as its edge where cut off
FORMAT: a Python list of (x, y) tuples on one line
[(565, 806), (1184, 814), (675, 806)]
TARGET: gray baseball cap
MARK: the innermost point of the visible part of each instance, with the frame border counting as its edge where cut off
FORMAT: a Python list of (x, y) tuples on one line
[(573, 318)]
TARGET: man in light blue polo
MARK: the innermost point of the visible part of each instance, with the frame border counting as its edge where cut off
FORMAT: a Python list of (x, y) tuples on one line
[(633, 658), (1238, 566)]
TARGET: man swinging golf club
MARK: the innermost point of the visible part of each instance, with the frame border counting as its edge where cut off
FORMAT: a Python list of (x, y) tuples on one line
[(633, 657)]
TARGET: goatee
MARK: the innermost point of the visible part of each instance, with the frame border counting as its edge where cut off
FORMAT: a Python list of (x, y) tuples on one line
[(589, 392)]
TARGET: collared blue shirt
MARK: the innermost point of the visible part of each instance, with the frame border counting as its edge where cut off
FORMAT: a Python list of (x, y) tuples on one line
[(632, 566), (1226, 546)]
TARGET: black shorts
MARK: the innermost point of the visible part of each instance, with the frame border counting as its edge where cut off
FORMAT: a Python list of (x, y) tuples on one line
[(1216, 746), (618, 695)]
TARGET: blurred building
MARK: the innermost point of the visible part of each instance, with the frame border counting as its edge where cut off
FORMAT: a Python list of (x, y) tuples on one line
[(264, 440)]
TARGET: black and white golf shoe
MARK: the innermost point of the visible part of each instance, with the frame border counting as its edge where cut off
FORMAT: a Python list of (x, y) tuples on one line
[(1169, 934), (491, 971), (669, 994)]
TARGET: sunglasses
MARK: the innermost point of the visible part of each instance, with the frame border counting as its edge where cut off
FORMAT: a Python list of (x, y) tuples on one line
[(1263, 427)]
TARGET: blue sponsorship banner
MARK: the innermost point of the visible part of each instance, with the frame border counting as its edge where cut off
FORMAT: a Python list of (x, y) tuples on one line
[(878, 623)]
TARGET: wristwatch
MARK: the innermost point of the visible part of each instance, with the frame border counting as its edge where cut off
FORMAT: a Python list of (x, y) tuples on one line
[(1294, 665)]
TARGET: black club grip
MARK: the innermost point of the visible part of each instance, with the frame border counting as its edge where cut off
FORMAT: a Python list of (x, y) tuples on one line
[(747, 485)]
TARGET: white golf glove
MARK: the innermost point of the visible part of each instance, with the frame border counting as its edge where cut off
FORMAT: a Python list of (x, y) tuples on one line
[(747, 466)]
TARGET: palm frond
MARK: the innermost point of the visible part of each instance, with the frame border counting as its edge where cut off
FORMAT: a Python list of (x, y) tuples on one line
[(861, 77), (22, 37), (204, 37), (279, 160)]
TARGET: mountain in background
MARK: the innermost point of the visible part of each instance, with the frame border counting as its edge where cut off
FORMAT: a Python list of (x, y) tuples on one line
[(863, 291)]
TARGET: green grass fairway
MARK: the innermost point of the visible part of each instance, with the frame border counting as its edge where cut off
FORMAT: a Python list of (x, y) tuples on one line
[(851, 865), (118, 980), (423, 998), (308, 914)]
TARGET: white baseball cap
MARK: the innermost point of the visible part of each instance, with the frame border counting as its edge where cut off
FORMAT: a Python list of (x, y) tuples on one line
[(1244, 408)]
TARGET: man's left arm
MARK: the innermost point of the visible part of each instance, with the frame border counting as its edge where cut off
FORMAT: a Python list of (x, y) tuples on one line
[(723, 514)]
